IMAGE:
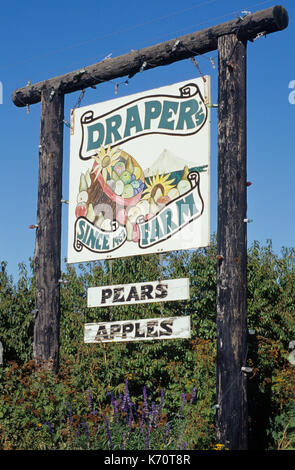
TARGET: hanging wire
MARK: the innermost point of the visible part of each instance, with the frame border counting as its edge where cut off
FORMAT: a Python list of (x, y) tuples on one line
[(140, 25), (80, 98)]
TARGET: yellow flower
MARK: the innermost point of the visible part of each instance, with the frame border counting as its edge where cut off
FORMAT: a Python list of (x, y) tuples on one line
[(219, 447), (105, 160), (161, 182)]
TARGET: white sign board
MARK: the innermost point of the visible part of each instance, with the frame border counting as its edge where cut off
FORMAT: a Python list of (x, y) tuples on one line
[(138, 330), (144, 292), (139, 173)]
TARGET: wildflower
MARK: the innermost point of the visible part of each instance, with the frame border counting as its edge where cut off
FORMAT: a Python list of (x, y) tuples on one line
[(193, 395), (145, 400), (183, 398), (142, 420), (162, 398), (154, 415), (86, 429), (167, 431), (48, 424), (219, 447), (128, 399), (49, 427)]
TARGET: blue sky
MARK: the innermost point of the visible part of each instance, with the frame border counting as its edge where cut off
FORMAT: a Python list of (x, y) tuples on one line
[(43, 40)]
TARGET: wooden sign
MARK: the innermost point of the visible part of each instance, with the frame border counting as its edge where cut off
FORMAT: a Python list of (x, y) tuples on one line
[(144, 292), (139, 173), (138, 330)]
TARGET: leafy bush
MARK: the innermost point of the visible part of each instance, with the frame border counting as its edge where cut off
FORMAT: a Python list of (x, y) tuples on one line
[(76, 407)]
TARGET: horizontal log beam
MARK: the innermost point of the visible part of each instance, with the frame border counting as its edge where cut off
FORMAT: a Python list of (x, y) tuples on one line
[(247, 28)]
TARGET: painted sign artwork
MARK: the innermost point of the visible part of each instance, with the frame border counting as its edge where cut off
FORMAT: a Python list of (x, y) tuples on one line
[(139, 174)]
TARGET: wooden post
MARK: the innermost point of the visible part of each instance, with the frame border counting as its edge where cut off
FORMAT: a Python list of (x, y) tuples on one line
[(232, 415), (48, 234)]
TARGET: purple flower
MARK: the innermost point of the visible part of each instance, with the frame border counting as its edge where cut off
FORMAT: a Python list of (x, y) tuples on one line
[(126, 403), (49, 425), (142, 420), (193, 395), (127, 394), (50, 429), (162, 398), (108, 432), (86, 429), (183, 398), (168, 427), (145, 400)]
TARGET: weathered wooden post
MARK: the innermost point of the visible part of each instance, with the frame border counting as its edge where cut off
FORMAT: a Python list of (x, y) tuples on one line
[(48, 232), (232, 245)]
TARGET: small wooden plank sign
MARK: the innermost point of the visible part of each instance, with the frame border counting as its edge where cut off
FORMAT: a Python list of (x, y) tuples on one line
[(144, 292), (138, 330)]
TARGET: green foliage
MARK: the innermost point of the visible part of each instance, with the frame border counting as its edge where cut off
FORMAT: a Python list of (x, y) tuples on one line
[(271, 293), (16, 319), (40, 410)]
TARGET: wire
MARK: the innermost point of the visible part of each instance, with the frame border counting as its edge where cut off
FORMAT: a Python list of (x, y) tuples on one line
[(58, 51), (108, 35)]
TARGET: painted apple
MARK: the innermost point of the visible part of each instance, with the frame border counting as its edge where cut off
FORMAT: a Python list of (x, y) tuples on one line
[(81, 209)]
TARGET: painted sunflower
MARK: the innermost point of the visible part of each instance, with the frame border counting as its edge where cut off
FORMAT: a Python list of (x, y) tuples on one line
[(105, 159), (158, 183)]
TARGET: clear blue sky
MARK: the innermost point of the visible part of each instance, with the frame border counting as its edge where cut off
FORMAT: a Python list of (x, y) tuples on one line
[(43, 40)]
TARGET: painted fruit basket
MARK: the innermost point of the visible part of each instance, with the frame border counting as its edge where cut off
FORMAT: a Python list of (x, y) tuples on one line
[(124, 182)]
